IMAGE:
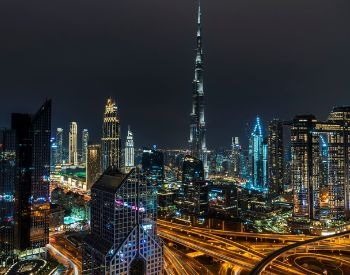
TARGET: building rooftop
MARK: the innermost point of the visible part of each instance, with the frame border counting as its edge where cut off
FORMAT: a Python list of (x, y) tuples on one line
[(110, 180)]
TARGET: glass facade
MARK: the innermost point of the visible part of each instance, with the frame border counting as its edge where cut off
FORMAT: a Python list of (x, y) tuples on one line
[(123, 226)]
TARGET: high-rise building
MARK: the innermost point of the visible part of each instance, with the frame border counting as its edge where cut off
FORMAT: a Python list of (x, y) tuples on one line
[(194, 191), (256, 155), (129, 150), (84, 145), (335, 153), (73, 144), (53, 153), (32, 184), (93, 164), (236, 157), (123, 237), (7, 194), (153, 166), (111, 136), (59, 143), (305, 152), (197, 140), (275, 158)]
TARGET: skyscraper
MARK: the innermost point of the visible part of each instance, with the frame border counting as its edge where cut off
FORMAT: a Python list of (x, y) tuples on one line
[(84, 145), (335, 153), (123, 237), (197, 140), (275, 157), (93, 164), (73, 144), (256, 165), (7, 193), (111, 136), (153, 166), (59, 143), (129, 150), (305, 152), (236, 157), (32, 183)]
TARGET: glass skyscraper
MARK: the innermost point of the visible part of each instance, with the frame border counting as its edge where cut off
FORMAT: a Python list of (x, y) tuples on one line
[(129, 150), (32, 184), (93, 164), (123, 237), (73, 144)]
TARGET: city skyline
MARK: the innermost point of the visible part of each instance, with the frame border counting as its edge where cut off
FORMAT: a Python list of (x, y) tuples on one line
[(244, 76)]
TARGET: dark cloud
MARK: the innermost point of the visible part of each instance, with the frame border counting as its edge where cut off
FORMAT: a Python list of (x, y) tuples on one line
[(272, 58)]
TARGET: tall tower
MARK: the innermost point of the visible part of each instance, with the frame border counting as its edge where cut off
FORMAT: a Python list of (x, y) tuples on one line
[(84, 145), (197, 141), (256, 155), (275, 157), (110, 136), (59, 141), (73, 144), (129, 150)]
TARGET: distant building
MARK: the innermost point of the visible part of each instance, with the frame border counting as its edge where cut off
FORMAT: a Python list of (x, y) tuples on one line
[(153, 166), (59, 143), (84, 145), (275, 158), (194, 191), (236, 157), (73, 144), (129, 150), (256, 156), (111, 149), (32, 183), (123, 237), (93, 164)]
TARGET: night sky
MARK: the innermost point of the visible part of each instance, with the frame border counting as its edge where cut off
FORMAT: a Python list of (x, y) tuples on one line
[(273, 58)]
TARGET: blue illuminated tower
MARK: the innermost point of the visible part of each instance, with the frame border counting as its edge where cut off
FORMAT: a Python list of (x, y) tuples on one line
[(256, 156), (197, 141)]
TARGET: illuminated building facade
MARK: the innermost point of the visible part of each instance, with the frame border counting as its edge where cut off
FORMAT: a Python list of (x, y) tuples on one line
[(129, 150), (84, 145), (335, 152), (7, 193), (275, 158), (111, 136), (73, 144), (32, 185), (123, 237), (197, 140), (59, 143), (256, 156), (236, 157), (93, 164), (305, 152)]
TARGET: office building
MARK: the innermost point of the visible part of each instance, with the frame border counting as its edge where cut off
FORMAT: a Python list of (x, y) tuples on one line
[(123, 237), (129, 150), (197, 140), (305, 152), (275, 158), (84, 145), (7, 194), (73, 144), (32, 184), (93, 164), (59, 143), (153, 166), (111, 139), (236, 157)]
